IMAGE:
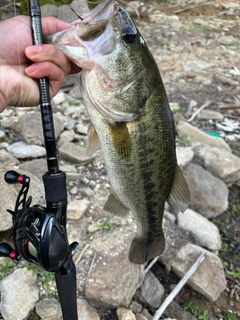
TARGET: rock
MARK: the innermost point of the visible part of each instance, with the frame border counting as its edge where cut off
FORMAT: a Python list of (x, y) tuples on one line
[(210, 115), (9, 193), (59, 98), (19, 293), (227, 40), (140, 317), (204, 232), (220, 163), (2, 134), (184, 155), (209, 279), (152, 291), (36, 167), (7, 159), (77, 208), (29, 128), (86, 312), (113, 280), (49, 10), (125, 314), (66, 136), (175, 238), (197, 137), (209, 194), (22, 150), (175, 311), (72, 152), (49, 309), (196, 66)]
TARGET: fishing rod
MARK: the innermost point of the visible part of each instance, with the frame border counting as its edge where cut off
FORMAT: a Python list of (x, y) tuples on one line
[(39, 233)]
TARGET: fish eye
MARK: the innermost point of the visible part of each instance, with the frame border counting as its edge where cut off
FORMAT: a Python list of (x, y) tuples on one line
[(128, 34)]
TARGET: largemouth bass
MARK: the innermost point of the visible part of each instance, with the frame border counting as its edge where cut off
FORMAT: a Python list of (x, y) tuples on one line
[(130, 120)]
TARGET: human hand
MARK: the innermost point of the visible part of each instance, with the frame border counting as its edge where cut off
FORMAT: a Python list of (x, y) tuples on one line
[(20, 62)]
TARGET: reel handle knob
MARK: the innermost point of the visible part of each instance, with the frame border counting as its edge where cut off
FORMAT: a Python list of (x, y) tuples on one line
[(13, 177)]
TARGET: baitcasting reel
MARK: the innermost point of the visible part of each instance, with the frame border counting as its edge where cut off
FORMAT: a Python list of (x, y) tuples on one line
[(38, 236)]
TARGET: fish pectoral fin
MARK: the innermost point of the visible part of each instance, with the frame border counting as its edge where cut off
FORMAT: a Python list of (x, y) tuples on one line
[(179, 197), (93, 142), (121, 139), (115, 206), (141, 251)]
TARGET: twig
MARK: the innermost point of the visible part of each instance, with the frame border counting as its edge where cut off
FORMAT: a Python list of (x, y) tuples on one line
[(229, 106), (82, 253), (199, 110), (196, 6), (151, 264), (91, 266), (179, 286)]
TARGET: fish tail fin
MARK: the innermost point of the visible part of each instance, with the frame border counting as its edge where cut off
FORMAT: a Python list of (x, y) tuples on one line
[(179, 197), (142, 251)]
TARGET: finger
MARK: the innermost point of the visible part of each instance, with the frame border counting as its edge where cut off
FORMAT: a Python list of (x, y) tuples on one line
[(48, 52), (51, 25), (47, 69)]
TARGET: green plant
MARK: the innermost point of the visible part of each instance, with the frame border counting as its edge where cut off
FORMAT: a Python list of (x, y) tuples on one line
[(6, 268), (47, 277), (105, 226), (229, 316), (183, 139), (196, 311), (234, 274), (224, 244), (32, 267)]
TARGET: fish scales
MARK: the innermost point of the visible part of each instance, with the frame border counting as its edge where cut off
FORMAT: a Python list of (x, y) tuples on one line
[(130, 120)]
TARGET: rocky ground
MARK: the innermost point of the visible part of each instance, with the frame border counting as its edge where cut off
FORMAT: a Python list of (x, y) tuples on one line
[(195, 44)]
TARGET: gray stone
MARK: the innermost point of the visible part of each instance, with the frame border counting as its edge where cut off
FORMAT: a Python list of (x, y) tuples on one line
[(22, 150), (66, 14), (85, 311), (184, 155), (227, 40), (113, 280), (2, 134), (29, 128), (197, 137), (196, 65), (59, 98), (49, 309), (7, 159), (36, 167), (125, 314), (19, 293), (152, 291), (175, 311), (220, 163), (49, 10), (210, 115), (204, 231), (77, 208), (209, 279), (74, 153), (66, 136), (209, 194), (175, 238)]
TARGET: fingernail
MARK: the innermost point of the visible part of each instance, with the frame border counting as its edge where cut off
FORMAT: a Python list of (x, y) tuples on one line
[(33, 50), (30, 69)]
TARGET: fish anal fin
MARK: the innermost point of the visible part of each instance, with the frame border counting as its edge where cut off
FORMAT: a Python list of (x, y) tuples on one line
[(179, 197), (121, 139), (142, 251), (93, 142), (115, 206)]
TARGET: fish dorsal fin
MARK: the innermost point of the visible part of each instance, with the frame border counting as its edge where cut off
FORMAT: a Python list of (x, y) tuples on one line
[(115, 206), (179, 197), (93, 142)]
